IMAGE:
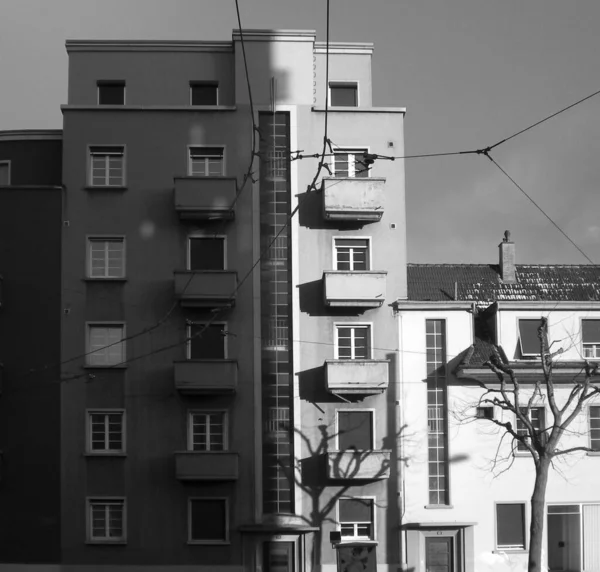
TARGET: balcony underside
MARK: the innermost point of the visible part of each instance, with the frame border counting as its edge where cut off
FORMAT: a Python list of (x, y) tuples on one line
[(206, 288), (357, 376), (206, 377), (206, 466), (205, 198), (354, 199)]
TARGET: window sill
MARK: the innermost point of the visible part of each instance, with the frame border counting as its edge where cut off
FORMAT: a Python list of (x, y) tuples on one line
[(105, 188), (107, 542), (105, 454), (105, 366), (438, 506), (90, 279), (357, 541), (209, 542), (593, 453), (510, 551)]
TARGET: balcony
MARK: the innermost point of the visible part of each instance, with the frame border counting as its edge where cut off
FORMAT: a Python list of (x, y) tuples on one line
[(357, 376), (205, 198), (354, 199), (206, 377), (358, 465), (206, 466), (206, 288), (363, 289)]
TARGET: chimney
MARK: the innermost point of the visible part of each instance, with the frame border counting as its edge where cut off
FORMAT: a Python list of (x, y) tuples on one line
[(507, 259)]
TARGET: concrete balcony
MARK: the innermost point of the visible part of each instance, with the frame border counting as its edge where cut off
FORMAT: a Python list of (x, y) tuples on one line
[(354, 198), (358, 465), (206, 288), (357, 376), (363, 289), (205, 198), (206, 377), (206, 466)]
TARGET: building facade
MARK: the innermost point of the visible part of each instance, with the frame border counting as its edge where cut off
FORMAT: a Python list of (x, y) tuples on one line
[(468, 485)]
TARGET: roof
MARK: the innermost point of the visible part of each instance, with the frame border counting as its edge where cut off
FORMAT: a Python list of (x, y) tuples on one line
[(482, 283)]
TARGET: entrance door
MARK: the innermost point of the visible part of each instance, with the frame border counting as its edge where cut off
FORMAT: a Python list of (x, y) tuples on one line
[(438, 554), (564, 538)]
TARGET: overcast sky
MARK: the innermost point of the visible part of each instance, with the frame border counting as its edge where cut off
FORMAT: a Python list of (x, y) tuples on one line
[(470, 73)]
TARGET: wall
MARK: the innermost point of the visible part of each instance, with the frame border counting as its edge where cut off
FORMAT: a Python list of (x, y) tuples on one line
[(35, 157)]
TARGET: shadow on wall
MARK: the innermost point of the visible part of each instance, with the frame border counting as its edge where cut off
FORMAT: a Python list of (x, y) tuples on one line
[(312, 302), (310, 214)]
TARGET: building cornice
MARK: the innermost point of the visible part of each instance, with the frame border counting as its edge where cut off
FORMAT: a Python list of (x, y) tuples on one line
[(31, 135), (275, 35), (402, 305), (321, 109), (178, 108), (147, 46), (548, 305), (364, 48)]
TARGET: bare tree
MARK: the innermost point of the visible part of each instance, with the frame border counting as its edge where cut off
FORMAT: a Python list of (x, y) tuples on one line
[(543, 444)]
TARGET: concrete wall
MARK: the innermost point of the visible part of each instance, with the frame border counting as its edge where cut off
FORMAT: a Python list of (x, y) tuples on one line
[(32, 161)]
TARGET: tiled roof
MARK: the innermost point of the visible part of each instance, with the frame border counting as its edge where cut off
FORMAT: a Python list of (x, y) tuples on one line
[(482, 283)]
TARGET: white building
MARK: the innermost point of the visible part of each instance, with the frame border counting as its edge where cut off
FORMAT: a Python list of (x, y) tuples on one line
[(465, 495)]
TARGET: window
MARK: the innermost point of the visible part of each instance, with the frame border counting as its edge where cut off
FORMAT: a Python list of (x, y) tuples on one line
[(484, 412), (355, 430), (206, 253), (206, 341), (537, 417), (343, 94), (349, 163), (107, 166), (353, 342), (106, 257), (352, 254), (207, 431), (111, 93), (510, 526), (356, 518), (4, 173), (206, 161), (594, 421), (590, 336), (106, 520), (204, 92), (529, 341), (106, 345), (106, 432), (208, 521)]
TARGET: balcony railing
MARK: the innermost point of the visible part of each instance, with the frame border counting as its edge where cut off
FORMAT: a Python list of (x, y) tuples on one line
[(203, 198), (361, 198), (357, 376), (358, 465), (359, 289), (205, 377), (206, 466), (206, 288)]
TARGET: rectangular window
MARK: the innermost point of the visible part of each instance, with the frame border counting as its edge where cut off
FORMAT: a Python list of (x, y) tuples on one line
[(594, 421), (206, 162), (4, 173), (107, 166), (537, 417), (106, 520), (343, 94), (206, 341), (510, 526), (204, 92), (208, 522), (484, 412), (356, 518), (355, 430), (529, 342), (590, 337), (106, 346), (353, 342), (352, 254), (207, 431), (106, 257), (111, 92), (106, 431), (206, 253), (349, 163)]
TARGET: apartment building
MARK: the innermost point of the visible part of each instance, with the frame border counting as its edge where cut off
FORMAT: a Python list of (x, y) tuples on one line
[(468, 486)]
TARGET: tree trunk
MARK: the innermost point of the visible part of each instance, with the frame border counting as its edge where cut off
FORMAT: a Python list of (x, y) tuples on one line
[(536, 529)]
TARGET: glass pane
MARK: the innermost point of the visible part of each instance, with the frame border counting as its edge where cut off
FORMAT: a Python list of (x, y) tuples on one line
[(355, 510), (4, 177), (111, 93), (344, 95), (355, 430), (528, 337), (204, 94), (207, 342), (208, 520), (590, 331), (510, 524), (207, 253)]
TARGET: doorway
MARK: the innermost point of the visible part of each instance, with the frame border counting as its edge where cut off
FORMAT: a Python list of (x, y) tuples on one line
[(564, 538), (439, 554)]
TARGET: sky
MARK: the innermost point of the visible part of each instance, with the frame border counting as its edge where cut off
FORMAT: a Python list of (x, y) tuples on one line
[(469, 72)]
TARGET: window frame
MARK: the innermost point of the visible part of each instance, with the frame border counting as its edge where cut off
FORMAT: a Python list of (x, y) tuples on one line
[(90, 177), (88, 427), (480, 408), (595, 451), (337, 325), (344, 83), (204, 83), (111, 82), (373, 536), (350, 151), (527, 356), (369, 250), (188, 331), (190, 431), (522, 449), (206, 146), (90, 238), (200, 236), (88, 352), (226, 540), (371, 410), (106, 500), (511, 548), (596, 345), (8, 163)]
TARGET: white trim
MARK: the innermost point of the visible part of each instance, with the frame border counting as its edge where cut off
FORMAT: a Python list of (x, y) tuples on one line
[(105, 324), (147, 46), (350, 150), (91, 500), (364, 48), (189, 334), (88, 432), (337, 325), (89, 238), (204, 145), (201, 235), (343, 83), (589, 420), (525, 520), (189, 432), (373, 412), (7, 162), (112, 82), (189, 527), (123, 153), (369, 240), (211, 83), (373, 516), (31, 135)]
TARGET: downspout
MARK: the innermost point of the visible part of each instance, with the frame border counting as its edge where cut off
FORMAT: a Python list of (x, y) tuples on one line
[(400, 408)]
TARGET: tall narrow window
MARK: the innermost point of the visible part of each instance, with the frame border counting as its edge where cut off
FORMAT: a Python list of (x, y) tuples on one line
[(537, 418), (349, 163), (204, 92), (207, 431), (594, 423), (206, 341), (107, 166), (106, 520), (590, 337), (436, 411), (510, 526), (355, 430), (206, 161), (4, 173), (206, 253), (529, 340), (353, 342), (106, 257), (356, 518), (343, 94), (352, 254), (111, 92), (106, 345)]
